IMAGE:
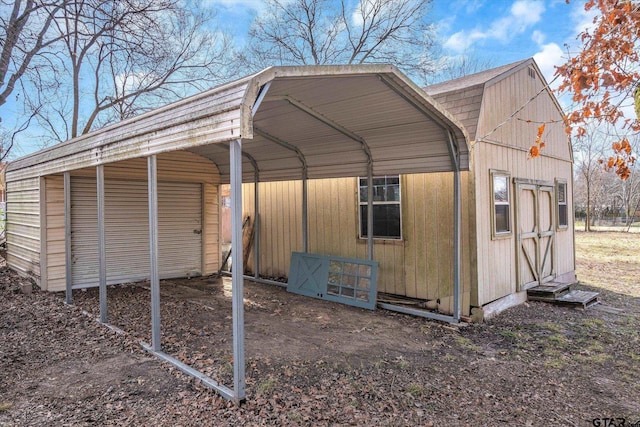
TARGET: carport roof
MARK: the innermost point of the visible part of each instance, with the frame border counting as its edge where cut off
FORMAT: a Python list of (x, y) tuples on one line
[(327, 121)]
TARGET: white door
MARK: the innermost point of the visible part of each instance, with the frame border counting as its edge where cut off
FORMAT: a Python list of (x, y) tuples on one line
[(127, 230)]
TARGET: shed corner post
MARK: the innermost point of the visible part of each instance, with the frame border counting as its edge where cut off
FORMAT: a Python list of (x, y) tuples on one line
[(67, 239), (102, 258), (152, 169), (454, 152), (237, 279)]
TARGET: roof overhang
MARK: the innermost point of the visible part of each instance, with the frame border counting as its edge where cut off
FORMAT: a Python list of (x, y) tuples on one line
[(318, 121)]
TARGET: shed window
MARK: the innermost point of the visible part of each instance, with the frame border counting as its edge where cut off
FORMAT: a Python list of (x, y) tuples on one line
[(563, 209), (501, 203), (386, 207)]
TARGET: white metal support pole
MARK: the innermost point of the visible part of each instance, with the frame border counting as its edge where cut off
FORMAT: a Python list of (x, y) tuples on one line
[(457, 223), (305, 212), (152, 169), (237, 279), (102, 257), (67, 239), (369, 212)]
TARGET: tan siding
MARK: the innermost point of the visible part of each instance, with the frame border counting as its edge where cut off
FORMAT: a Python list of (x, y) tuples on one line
[(420, 266), (506, 149), (55, 253), (23, 226)]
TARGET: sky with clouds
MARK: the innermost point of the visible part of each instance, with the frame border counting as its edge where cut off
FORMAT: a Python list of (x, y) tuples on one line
[(497, 31)]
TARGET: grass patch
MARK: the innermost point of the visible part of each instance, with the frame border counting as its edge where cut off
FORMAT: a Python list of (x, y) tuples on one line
[(5, 406), (416, 390), (267, 386), (552, 326), (467, 344), (608, 260)]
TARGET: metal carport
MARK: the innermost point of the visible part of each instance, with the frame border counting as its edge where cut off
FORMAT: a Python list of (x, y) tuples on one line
[(282, 123)]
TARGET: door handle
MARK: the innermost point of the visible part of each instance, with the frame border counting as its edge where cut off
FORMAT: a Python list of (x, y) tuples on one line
[(197, 231)]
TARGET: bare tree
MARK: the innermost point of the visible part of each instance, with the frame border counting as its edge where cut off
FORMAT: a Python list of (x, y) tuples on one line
[(129, 56), (589, 150), (299, 32), (27, 41), (25, 34), (81, 64)]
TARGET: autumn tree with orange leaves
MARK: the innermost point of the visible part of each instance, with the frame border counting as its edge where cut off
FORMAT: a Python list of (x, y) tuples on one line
[(604, 77)]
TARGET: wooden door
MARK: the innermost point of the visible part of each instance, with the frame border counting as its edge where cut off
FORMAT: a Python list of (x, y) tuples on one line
[(535, 229)]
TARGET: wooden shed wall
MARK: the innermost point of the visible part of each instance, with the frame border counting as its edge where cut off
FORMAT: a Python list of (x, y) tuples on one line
[(419, 266), (23, 226), (173, 167), (506, 149)]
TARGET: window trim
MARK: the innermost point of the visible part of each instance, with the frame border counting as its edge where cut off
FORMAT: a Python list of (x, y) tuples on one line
[(558, 183), (496, 235), (360, 204)]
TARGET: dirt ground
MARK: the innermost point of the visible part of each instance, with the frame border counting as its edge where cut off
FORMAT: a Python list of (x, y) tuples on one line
[(312, 362)]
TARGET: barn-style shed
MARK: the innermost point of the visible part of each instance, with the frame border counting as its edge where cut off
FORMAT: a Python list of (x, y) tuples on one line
[(516, 212), (140, 199)]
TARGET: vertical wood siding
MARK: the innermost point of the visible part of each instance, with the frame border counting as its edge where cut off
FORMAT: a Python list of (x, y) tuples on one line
[(23, 226), (506, 149), (419, 266)]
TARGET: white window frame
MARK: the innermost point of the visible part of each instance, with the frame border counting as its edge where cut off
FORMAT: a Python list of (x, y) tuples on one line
[(394, 202), (493, 174), (562, 182)]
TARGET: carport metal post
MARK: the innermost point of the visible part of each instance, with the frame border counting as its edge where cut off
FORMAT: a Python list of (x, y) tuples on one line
[(237, 279), (67, 239), (102, 258), (152, 169)]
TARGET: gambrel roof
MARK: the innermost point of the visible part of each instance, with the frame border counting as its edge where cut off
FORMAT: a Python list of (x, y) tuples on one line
[(463, 96)]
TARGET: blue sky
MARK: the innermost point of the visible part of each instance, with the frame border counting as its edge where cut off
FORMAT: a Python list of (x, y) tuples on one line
[(497, 31), (501, 31)]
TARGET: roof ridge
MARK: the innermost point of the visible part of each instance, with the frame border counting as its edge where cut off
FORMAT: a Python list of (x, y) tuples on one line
[(472, 79)]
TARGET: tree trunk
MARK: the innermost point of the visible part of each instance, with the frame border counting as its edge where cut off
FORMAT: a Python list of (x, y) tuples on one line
[(587, 223)]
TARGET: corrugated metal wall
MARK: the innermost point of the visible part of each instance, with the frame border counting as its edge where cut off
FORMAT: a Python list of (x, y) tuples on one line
[(177, 167), (127, 230), (23, 226)]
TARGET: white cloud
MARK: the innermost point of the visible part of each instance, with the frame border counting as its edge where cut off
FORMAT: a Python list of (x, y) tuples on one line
[(550, 56), (538, 37), (256, 5), (458, 42), (522, 15), (582, 19)]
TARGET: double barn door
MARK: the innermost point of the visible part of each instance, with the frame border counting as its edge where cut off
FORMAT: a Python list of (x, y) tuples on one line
[(535, 234)]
